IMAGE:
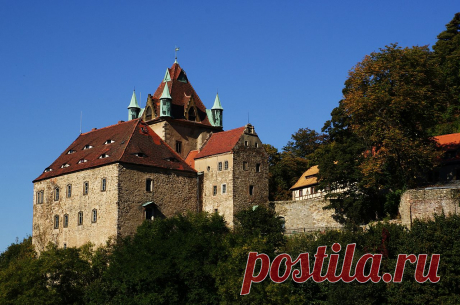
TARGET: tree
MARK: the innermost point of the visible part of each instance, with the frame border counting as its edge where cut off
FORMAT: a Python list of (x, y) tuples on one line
[(284, 170), (447, 55), (168, 261), (392, 99), (379, 133), (304, 142)]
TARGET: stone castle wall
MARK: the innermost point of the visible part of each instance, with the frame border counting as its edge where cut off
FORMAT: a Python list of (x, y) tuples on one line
[(244, 178), (424, 203), (174, 192), (75, 235), (223, 203), (305, 215)]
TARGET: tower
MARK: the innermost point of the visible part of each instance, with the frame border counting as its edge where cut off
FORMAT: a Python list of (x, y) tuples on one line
[(133, 108), (217, 112), (165, 102)]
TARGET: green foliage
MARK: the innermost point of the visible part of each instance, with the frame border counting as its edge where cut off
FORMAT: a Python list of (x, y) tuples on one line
[(284, 170), (304, 143), (168, 261), (260, 222), (58, 276), (447, 55)]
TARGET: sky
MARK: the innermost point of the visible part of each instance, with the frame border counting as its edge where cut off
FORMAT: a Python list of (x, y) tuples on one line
[(279, 64)]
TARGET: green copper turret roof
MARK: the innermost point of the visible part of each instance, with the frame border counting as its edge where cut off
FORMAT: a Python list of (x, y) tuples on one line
[(217, 104), (165, 92), (133, 103)]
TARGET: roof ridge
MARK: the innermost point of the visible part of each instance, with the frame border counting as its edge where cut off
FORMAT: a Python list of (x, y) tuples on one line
[(129, 140), (97, 129)]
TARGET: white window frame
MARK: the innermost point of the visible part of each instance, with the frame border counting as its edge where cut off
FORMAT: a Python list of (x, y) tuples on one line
[(223, 188)]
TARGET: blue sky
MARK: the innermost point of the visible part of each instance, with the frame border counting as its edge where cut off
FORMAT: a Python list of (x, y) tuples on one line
[(283, 62)]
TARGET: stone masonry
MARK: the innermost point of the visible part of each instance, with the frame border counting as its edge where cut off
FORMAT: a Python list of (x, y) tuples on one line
[(305, 215), (424, 203)]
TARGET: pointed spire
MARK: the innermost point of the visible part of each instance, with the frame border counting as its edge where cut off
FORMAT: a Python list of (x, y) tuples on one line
[(167, 77), (133, 103), (165, 93), (217, 104)]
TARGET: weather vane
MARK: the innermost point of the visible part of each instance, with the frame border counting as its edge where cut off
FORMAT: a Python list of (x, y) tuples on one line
[(175, 52)]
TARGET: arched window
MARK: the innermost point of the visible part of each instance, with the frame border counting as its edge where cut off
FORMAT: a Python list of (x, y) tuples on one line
[(94, 216), (80, 218), (56, 221), (148, 113)]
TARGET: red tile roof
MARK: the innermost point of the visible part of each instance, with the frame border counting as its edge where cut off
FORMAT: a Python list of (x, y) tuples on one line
[(448, 140), (129, 138), (180, 93), (221, 142), (190, 160)]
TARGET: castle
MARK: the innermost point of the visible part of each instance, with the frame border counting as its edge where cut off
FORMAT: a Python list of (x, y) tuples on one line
[(170, 157)]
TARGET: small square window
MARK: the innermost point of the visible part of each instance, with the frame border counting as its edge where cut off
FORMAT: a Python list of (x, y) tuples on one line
[(103, 184), (214, 190), (69, 190), (258, 167), (245, 165), (94, 216), (56, 221), (85, 187), (251, 190), (80, 218), (66, 220), (56, 194), (219, 166), (226, 165), (224, 188), (148, 185)]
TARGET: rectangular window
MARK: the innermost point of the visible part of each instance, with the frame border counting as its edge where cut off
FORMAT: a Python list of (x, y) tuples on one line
[(94, 218), (224, 188), (245, 165), (214, 190), (246, 143), (226, 165), (258, 167), (85, 187), (103, 184), (40, 196), (56, 194), (219, 166), (178, 147), (69, 190), (300, 193), (148, 185), (80, 218), (251, 190), (56, 221), (256, 145), (66, 220)]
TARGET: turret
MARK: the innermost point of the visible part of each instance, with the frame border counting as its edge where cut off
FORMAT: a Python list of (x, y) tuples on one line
[(217, 111), (165, 102), (133, 108)]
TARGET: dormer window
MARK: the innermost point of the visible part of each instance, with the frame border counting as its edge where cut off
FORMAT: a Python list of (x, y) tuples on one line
[(140, 155), (103, 156), (87, 146), (109, 142), (65, 165), (171, 159), (48, 169), (82, 161), (71, 151)]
